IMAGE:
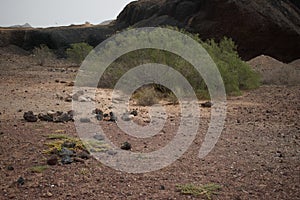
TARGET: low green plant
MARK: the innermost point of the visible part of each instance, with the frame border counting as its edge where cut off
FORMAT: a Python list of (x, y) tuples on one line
[(57, 136), (207, 190), (146, 96), (43, 54), (38, 169), (78, 51), (236, 74), (58, 139)]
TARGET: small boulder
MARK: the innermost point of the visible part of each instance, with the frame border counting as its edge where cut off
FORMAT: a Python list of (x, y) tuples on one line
[(134, 113), (66, 152), (113, 117), (207, 104), (52, 160), (66, 160), (30, 117), (126, 146), (21, 181)]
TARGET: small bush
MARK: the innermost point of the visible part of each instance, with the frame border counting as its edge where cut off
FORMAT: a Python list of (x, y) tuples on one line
[(205, 190), (78, 52), (43, 54), (237, 75), (146, 96)]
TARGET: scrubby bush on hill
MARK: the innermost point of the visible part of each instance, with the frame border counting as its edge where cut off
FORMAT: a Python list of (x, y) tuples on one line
[(78, 51), (43, 54)]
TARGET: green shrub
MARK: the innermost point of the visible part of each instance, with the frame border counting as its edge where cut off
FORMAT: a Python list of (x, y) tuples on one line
[(207, 190), (146, 96), (236, 74), (43, 54), (78, 51)]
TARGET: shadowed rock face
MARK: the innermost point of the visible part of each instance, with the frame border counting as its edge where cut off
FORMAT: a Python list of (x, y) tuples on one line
[(258, 26), (58, 38), (270, 27)]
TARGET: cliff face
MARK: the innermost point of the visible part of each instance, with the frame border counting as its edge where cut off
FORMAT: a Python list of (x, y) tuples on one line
[(270, 27), (258, 26), (58, 38)]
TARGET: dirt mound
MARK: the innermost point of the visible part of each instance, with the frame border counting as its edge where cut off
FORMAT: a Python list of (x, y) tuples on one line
[(275, 30), (275, 72), (295, 63), (13, 50)]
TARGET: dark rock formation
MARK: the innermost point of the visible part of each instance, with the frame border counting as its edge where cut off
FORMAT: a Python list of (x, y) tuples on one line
[(258, 26), (269, 27), (58, 38)]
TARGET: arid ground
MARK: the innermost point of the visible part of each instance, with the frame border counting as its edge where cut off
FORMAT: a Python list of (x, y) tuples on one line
[(256, 157)]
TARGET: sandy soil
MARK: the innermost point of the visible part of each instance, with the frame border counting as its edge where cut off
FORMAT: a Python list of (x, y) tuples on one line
[(256, 157)]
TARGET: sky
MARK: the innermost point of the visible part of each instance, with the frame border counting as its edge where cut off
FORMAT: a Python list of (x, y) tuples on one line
[(46, 13)]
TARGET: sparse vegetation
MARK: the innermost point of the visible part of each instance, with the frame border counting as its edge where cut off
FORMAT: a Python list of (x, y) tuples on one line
[(59, 139), (78, 51), (237, 74), (43, 54), (207, 190), (146, 96), (38, 169)]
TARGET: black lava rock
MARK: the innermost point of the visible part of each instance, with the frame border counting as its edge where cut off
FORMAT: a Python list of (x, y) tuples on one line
[(99, 117), (10, 168), (66, 152), (66, 160), (21, 181), (52, 160), (134, 113), (30, 117), (84, 155), (126, 146), (207, 104), (113, 117), (45, 117), (62, 117)]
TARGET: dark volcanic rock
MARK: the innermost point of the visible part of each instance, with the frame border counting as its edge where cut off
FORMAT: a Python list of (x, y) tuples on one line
[(58, 38), (207, 104), (53, 160), (21, 181), (30, 117), (269, 27), (258, 27), (45, 117), (126, 146), (66, 160)]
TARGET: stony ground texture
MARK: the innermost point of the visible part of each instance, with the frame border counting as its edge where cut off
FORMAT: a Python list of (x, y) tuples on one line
[(256, 157)]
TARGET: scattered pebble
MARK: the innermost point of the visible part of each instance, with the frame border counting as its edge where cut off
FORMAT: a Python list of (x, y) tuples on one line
[(83, 155), (52, 160), (66, 160), (126, 146), (21, 181), (66, 152), (207, 104)]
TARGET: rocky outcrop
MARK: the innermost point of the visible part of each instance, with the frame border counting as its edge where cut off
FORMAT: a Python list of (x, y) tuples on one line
[(258, 26), (58, 38)]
